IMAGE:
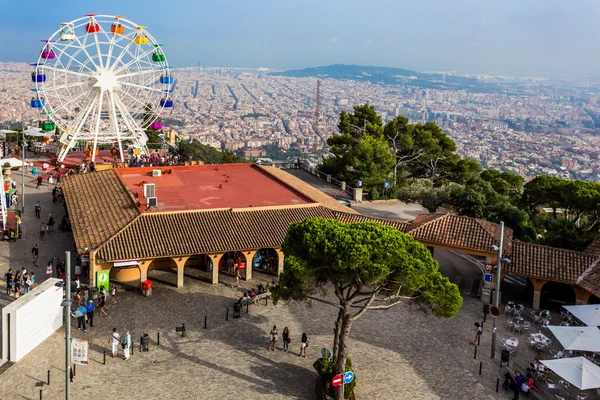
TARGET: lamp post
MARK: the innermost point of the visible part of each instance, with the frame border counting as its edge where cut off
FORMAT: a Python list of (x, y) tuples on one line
[(68, 326), (498, 279), (22, 169)]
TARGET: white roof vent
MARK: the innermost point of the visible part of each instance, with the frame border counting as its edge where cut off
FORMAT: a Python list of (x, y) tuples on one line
[(149, 190), (156, 172)]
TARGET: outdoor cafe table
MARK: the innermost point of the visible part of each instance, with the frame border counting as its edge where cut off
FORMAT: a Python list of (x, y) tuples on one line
[(512, 342), (539, 338)]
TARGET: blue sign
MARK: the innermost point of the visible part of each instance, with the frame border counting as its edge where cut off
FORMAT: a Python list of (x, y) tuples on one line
[(488, 277), (359, 184), (348, 377), (386, 185)]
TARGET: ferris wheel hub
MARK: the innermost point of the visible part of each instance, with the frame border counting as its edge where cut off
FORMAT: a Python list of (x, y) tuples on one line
[(106, 80)]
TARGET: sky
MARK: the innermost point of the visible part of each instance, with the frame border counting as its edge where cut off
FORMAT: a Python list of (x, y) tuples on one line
[(553, 38)]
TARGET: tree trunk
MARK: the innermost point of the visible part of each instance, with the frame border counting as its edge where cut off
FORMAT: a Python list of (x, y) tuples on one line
[(343, 337), (336, 336)]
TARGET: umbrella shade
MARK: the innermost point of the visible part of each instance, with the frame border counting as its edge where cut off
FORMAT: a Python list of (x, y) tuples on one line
[(584, 338), (7, 131), (579, 371), (589, 314), (34, 132), (14, 162)]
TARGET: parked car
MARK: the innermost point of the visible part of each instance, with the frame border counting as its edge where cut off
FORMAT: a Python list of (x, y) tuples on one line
[(345, 202)]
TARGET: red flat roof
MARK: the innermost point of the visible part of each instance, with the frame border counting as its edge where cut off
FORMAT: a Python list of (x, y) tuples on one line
[(183, 188)]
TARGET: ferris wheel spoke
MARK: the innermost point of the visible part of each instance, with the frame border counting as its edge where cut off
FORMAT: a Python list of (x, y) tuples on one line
[(120, 57), (67, 86), (67, 71), (64, 53), (142, 87), (98, 51), (144, 54), (115, 121), (135, 99), (115, 43), (84, 49), (73, 100), (147, 71)]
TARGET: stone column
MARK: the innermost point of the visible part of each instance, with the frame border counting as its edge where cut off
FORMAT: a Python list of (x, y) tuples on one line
[(358, 194), (279, 262), (328, 177), (581, 295), (93, 268), (180, 261), (249, 257), (215, 267), (143, 266), (537, 291)]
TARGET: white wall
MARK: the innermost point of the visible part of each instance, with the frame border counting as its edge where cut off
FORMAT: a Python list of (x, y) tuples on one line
[(33, 317)]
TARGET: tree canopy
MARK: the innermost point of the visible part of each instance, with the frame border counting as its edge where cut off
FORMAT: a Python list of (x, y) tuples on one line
[(369, 267)]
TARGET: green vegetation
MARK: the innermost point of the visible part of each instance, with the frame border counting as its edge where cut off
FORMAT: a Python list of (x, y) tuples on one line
[(209, 155), (325, 367), (276, 153), (369, 267), (421, 164)]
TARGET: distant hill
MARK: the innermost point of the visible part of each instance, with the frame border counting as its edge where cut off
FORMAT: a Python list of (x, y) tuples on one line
[(390, 76)]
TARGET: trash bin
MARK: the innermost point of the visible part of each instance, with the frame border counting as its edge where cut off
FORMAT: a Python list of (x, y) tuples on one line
[(237, 309), (486, 308), (504, 356), (144, 342)]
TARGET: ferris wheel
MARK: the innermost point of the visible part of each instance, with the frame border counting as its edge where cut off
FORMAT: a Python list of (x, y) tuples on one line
[(101, 79)]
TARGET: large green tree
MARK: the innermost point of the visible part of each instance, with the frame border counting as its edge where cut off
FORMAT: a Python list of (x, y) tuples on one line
[(430, 195), (368, 266)]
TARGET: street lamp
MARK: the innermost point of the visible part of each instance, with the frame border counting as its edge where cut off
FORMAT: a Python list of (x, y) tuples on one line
[(22, 170), (67, 305), (499, 262)]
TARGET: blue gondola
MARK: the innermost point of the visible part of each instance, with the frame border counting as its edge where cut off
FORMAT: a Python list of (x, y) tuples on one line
[(37, 103), (167, 79), (168, 103), (38, 77)]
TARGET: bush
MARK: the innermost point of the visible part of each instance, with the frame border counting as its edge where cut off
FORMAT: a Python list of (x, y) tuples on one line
[(324, 367)]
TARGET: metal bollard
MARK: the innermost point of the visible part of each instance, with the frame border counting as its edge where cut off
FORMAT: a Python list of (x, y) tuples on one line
[(475, 355), (158, 341), (480, 365), (48, 377), (41, 394), (497, 384), (132, 349), (227, 315), (104, 363), (478, 340), (74, 369), (205, 319)]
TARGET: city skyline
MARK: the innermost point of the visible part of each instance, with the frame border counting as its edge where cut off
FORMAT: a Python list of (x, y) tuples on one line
[(496, 38)]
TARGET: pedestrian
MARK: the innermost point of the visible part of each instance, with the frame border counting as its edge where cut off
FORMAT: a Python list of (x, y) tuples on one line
[(113, 294), (38, 208), (81, 320), (126, 344), (36, 252), (303, 345), (50, 180), (478, 332), (17, 283), (49, 270), (39, 182), (114, 339), (8, 278), (27, 284), (47, 230), (33, 171), (286, 339), (102, 305), (32, 279), (77, 267), (85, 294), (50, 222), (42, 230), (517, 385), (90, 312), (273, 341)]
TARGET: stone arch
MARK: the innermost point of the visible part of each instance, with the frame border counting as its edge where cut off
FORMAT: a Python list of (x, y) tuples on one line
[(266, 260), (554, 295), (516, 288)]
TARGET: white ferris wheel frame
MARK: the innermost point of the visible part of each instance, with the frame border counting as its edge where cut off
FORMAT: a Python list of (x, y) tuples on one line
[(99, 85)]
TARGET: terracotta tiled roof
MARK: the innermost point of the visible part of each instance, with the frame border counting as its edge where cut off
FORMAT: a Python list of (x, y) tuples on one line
[(211, 231), (593, 248), (548, 262), (461, 232), (99, 206), (590, 279), (351, 218), (307, 190)]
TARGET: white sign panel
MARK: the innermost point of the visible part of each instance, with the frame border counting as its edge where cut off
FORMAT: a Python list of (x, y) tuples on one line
[(28, 321), (79, 351)]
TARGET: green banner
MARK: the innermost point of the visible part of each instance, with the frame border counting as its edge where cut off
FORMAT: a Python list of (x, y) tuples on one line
[(103, 279)]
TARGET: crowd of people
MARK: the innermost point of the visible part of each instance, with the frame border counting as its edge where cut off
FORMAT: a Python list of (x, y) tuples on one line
[(286, 338)]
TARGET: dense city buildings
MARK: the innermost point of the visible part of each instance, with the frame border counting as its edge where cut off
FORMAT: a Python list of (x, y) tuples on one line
[(527, 126)]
